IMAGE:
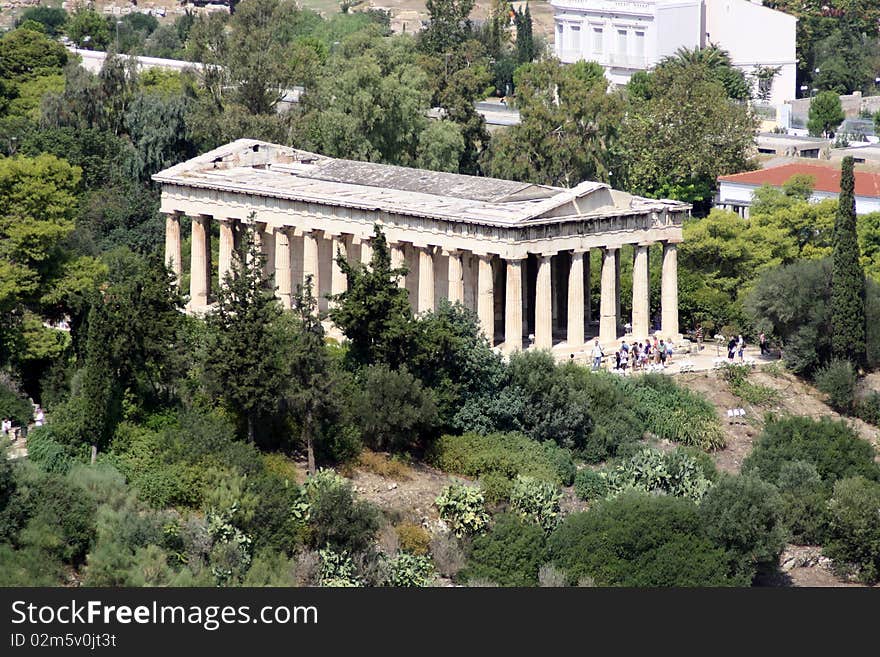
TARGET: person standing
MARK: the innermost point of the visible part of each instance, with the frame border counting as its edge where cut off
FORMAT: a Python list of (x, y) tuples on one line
[(699, 337), (6, 427), (763, 341), (38, 416), (740, 347), (597, 355), (731, 348)]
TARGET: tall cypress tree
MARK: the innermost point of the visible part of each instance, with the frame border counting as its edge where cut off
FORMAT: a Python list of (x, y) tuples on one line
[(847, 277)]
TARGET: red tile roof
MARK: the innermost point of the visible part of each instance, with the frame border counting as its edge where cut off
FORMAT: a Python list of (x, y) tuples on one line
[(825, 179)]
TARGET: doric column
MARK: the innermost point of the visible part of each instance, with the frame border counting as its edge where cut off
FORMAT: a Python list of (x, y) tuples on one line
[(397, 261), (366, 251), (588, 290), (608, 300), (257, 228), (283, 275), (227, 246), (426, 279), (513, 329), (486, 297), (172, 245), (200, 262), (338, 281), (544, 304), (310, 261), (456, 277), (617, 288), (268, 246), (669, 291), (641, 293), (576, 300)]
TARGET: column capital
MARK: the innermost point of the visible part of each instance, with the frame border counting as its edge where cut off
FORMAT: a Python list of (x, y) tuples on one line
[(673, 241), (228, 221), (515, 258), (645, 243), (611, 248), (580, 250)]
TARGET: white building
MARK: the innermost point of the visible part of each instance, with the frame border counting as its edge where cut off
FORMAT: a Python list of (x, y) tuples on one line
[(626, 36)]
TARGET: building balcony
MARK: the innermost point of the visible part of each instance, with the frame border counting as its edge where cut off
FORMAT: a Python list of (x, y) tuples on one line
[(616, 60)]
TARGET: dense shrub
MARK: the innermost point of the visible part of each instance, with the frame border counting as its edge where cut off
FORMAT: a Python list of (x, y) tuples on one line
[(51, 455), (638, 539), (591, 484), (742, 516), (868, 408), (803, 502), (394, 411), (272, 525), (552, 406), (616, 420), (855, 527), (536, 501), (737, 377), (463, 508), (510, 554), (507, 454), (675, 413), (838, 381), (833, 447), (338, 519)]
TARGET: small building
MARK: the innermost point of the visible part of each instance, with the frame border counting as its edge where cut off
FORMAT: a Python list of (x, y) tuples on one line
[(626, 36), (735, 192), (861, 154), (780, 145)]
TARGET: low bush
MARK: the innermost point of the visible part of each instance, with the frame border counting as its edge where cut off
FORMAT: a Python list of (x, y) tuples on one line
[(833, 447), (409, 570), (616, 419), (496, 487), (868, 408), (676, 473), (384, 465), (413, 538), (591, 484), (838, 381), (336, 517), (536, 501), (854, 532), (463, 508), (737, 377), (510, 554), (507, 454)]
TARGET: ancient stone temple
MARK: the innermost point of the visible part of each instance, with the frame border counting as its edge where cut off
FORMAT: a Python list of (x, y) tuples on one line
[(516, 253)]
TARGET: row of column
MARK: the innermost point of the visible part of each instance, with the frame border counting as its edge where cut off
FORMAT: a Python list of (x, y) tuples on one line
[(290, 265)]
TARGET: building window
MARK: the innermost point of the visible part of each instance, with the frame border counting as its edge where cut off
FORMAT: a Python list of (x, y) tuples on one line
[(575, 41), (621, 42), (640, 44), (597, 40)]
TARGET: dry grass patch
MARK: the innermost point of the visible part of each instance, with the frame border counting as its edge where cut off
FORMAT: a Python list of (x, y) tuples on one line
[(383, 465)]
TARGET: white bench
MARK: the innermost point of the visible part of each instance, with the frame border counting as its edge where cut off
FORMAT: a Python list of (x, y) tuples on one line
[(686, 366), (733, 415)]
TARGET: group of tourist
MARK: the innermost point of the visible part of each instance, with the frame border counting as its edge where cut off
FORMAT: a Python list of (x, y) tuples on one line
[(636, 356), (736, 347), (8, 430)]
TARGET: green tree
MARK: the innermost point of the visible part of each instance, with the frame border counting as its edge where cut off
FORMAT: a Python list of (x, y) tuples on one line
[(89, 30), (448, 25), (847, 277), (826, 114), (717, 61), (677, 142), (25, 55), (525, 43), (312, 396), (568, 126), (53, 19), (371, 103), (242, 358), (374, 313)]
